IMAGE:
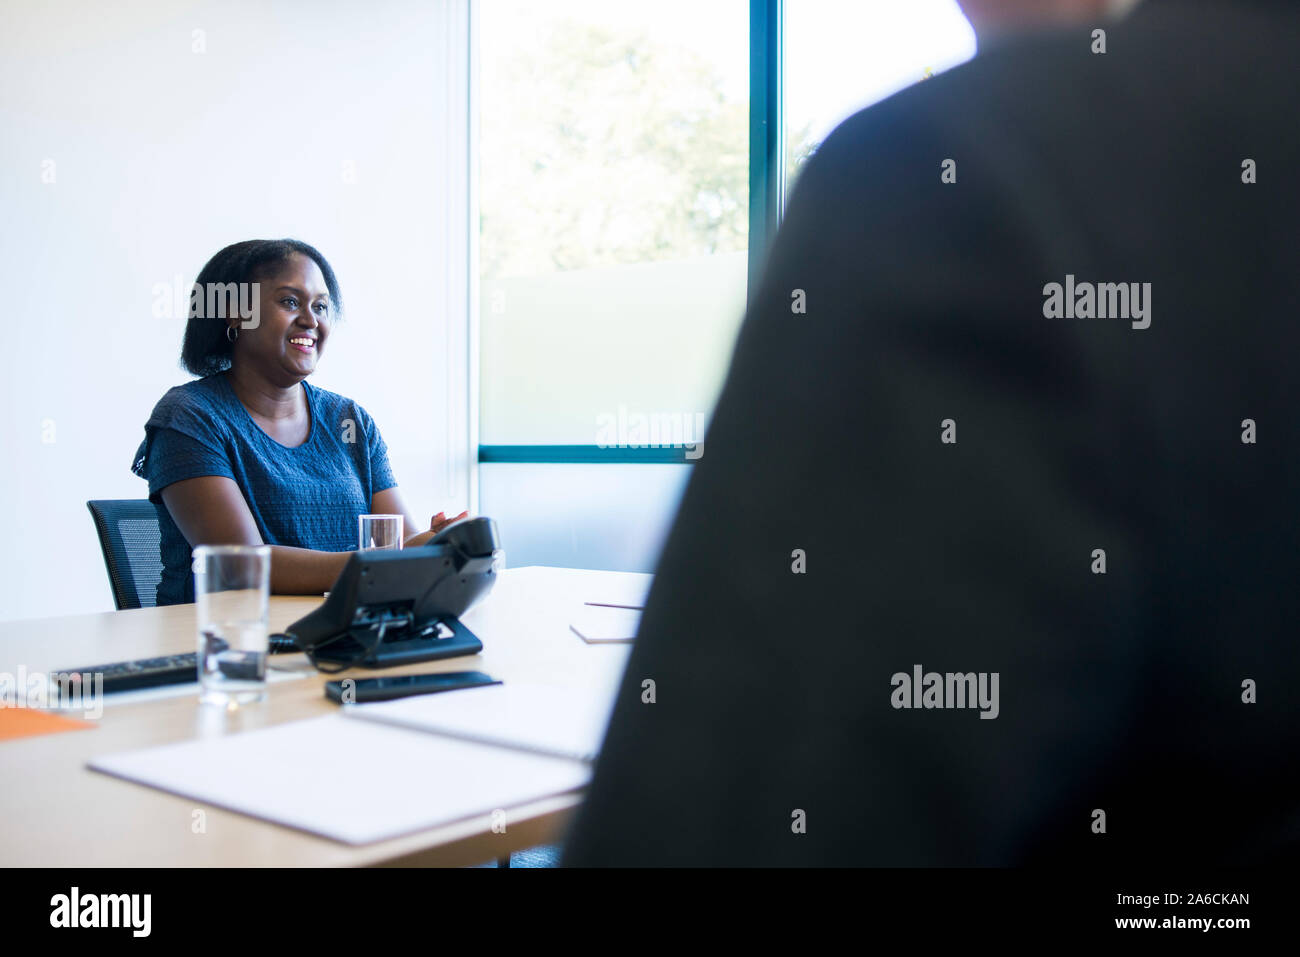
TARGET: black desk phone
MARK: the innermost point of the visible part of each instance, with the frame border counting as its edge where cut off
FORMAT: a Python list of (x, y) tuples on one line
[(398, 607)]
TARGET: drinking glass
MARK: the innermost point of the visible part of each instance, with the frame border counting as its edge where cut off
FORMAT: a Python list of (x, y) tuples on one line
[(232, 587), (379, 531)]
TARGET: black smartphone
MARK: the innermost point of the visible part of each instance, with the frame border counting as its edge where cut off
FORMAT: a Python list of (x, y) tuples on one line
[(352, 691)]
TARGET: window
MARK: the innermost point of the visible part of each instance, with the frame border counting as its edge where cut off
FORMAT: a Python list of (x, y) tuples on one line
[(613, 185), (843, 56)]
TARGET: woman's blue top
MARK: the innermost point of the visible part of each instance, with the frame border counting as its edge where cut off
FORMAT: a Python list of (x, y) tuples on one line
[(309, 496)]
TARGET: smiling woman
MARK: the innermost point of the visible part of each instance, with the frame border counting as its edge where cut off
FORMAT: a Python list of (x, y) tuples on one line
[(251, 453)]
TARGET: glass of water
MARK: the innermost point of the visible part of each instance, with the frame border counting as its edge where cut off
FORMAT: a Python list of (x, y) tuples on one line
[(232, 587), (379, 531)]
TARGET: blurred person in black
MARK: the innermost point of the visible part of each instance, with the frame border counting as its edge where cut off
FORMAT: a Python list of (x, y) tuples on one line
[(942, 465)]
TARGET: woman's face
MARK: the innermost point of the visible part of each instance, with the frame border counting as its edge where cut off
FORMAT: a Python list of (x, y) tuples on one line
[(294, 322)]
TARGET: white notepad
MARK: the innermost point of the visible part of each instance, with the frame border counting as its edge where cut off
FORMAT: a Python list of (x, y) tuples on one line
[(624, 594), (526, 717), (605, 624), (349, 780)]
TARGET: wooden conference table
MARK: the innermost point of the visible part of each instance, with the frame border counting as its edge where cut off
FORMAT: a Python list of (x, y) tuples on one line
[(56, 812)]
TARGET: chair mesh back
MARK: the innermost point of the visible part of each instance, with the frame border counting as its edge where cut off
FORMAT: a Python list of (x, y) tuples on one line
[(128, 536)]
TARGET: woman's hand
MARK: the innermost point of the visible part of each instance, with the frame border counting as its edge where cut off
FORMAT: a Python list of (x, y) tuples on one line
[(436, 525)]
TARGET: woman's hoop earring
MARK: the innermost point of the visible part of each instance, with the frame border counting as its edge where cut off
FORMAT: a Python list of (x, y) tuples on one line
[(229, 330)]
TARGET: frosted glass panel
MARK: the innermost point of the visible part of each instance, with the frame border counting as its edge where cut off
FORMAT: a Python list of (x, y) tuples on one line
[(563, 353), (612, 517)]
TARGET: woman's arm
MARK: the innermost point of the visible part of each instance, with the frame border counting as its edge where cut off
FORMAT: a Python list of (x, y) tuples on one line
[(389, 502), (210, 510)]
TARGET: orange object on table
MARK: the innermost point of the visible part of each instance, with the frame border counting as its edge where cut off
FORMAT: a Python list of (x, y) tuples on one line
[(28, 722)]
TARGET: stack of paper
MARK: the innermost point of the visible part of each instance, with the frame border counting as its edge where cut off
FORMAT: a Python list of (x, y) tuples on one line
[(381, 770), (606, 624)]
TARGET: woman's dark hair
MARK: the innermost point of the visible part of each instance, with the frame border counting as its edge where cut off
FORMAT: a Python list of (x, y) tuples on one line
[(206, 350)]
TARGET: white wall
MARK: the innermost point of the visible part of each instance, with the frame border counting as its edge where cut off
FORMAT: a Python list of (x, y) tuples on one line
[(161, 155)]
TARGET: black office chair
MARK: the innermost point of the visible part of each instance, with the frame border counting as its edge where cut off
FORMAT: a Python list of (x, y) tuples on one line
[(128, 536)]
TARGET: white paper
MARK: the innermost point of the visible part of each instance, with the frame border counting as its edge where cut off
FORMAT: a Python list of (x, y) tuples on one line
[(539, 718), (602, 624), (352, 781), (629, 593)]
